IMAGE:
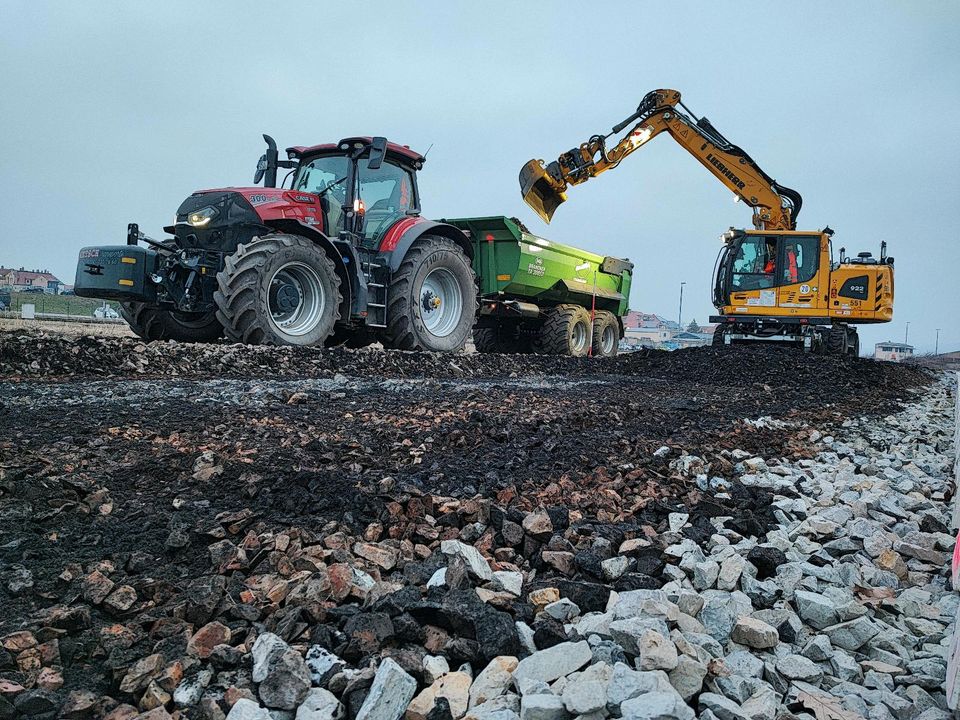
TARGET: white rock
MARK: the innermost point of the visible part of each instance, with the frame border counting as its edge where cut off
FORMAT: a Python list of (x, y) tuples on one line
[(246, 709), (434, 667), (391, 692), (655, 652), (493, 680), (470, 555), (552, 663), (438, 579), (657, 706), (542, 707), (582, 697), (320, 704), (511, 581)]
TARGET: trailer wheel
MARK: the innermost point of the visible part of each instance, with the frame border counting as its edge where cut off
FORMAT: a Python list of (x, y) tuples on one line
[(278, 290), (151, 323), (505, 340), (432, 300), (606, 334), (566, 331), (838, 340)]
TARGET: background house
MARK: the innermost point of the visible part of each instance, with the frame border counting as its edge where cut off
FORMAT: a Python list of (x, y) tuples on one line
[(892, 351), (22, 280)]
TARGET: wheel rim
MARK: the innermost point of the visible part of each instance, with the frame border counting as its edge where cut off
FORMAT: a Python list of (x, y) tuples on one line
[(441, 305), (578, 339), (297, 300), (607, 340)]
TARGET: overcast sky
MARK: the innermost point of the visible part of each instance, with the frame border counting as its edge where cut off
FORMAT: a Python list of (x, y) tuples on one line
[(114, 112)]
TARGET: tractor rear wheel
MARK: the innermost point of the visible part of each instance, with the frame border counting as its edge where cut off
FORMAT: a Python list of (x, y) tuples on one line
[(432, 299), (566, 331), (838, 340), (606, 334), (278, 290), (151, 323)]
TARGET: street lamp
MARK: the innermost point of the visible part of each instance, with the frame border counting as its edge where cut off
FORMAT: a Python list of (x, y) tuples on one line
[(906, 334), (936, 346), (680, 314)]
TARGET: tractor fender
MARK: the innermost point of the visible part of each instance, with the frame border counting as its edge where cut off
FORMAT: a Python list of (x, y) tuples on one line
[(347, 281), (404, 233)]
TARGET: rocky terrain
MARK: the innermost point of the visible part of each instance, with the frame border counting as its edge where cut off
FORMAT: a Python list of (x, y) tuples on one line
[(215, 531)]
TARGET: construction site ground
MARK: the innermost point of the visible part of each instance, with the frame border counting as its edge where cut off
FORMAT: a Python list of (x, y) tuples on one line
[(139, 459)]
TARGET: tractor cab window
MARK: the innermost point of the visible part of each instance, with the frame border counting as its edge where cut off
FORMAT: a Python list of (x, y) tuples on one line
[(755, 263), (321, 174), (387, 192)]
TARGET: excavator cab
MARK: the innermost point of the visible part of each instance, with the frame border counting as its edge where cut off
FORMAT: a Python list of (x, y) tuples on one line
[(539, 191)]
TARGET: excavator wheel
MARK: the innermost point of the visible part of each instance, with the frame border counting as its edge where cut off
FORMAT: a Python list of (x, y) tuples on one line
[(606, 334), (718, 336), (566, 331), (853, 344), (838, 340)]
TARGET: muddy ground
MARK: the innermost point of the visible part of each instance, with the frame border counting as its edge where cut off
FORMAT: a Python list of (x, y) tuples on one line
[(112, 451)]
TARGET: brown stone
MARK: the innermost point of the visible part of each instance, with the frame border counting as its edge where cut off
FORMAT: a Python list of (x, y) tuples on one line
[(29, 659), (538, 523), (141, 673), (96, 586), (155, 714), (80, 704), (891, 561), (234, 693), (560, 560), (543, 597), (455, 687), (341, 578), (19, 641), (435, 639), (208, 637), (122, 712), (121, 599), (382, 555), (49, 679), (154, 697), (171, 676)]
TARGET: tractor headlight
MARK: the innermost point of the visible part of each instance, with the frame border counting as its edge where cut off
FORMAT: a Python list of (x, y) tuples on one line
[(202, 217)]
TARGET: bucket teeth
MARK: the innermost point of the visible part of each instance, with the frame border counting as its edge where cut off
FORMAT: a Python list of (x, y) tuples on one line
[(538, 191)]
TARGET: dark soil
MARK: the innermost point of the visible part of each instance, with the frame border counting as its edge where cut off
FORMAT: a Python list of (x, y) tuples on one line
[(144, 456)]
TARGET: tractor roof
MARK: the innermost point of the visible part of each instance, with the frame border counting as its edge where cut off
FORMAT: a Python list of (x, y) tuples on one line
[(403, 151)]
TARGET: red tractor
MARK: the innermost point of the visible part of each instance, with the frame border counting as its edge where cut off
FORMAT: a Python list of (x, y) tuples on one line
[(337, 255)]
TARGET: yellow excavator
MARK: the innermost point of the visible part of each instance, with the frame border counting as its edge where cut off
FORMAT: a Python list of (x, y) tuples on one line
[(773, 283)]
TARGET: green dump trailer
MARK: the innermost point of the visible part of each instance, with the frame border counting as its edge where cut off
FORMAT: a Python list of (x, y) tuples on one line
[(537, 295)]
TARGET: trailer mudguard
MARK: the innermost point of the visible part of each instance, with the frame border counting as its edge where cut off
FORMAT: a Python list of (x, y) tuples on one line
[(398, 239)]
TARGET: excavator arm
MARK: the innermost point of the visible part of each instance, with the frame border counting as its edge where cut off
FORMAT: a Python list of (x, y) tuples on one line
[(775, 207)]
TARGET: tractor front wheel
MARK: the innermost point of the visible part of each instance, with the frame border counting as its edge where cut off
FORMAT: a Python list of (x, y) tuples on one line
[(278, 290), (152, 323), (566, 331), (432, 299)]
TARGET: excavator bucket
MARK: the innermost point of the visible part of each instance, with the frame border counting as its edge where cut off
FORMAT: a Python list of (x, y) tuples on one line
[(537, 190)]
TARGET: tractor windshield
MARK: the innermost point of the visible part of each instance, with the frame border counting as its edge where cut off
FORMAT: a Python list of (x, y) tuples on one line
[(316, 174)]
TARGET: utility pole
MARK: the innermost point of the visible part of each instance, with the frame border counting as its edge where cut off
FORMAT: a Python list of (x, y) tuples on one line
[(680, 314), (936, 346), (906, 334)]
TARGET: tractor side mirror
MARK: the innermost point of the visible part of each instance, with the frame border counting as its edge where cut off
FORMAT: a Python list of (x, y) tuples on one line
[(261, 169), (378, 151)]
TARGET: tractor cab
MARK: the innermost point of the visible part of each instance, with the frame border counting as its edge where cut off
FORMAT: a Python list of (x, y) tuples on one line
[(364, 185)]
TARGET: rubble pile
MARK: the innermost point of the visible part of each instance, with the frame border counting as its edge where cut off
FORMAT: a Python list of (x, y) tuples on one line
[(690, 557)]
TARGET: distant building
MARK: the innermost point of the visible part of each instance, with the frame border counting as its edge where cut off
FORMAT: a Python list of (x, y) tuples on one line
[(649, 330), (20, 280), (892, 351)]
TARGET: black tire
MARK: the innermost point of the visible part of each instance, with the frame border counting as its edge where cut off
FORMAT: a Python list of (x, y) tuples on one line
[(506, 340), (718, 336), (853, 343), (353, 338), (152, 323), (606, 334), (247, 286), (566, 331), (410, 322), (837, 340)]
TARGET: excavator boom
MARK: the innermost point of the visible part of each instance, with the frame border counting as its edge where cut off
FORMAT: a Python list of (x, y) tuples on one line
[(544, 186)]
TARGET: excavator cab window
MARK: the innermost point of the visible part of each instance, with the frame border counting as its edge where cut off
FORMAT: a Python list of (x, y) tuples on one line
[(755, 262), (801, 256)]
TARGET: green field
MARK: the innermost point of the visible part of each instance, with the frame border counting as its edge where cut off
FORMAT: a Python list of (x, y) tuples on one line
[(57, 304)]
